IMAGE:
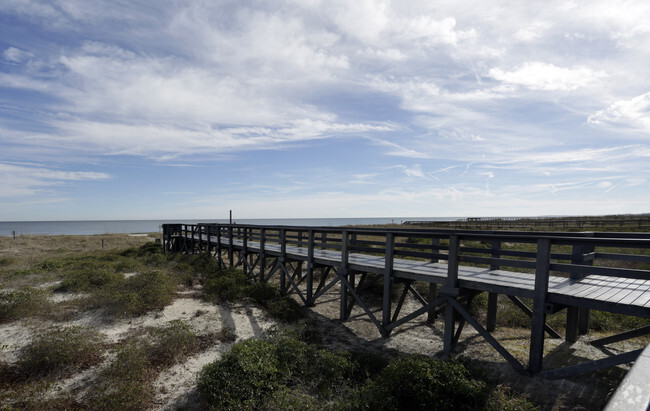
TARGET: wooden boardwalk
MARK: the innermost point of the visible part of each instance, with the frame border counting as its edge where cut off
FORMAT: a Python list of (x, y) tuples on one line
[(555, 270)]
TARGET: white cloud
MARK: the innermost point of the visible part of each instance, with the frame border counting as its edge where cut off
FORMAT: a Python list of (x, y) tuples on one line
[(532, 32), (17, 55), (633, 113), (545, 76), (20, 181)]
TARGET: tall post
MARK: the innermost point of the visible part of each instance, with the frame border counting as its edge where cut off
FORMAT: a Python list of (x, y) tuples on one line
[(262, 253), (451, 290), (231, 257), (388, 279), (343, 273), (282, 259), (491, 322), (577, 321), (310, 267), (542, 272), (433, 287)]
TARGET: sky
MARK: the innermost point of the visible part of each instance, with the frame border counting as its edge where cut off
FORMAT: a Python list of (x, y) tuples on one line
[(165, 109)]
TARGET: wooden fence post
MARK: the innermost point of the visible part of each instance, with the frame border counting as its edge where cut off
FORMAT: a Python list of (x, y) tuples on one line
[(388, 279), (491, 322), (343, 273), (542, 272), (451, 290)]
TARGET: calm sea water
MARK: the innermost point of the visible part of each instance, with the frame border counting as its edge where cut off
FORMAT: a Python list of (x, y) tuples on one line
[(7, 228)]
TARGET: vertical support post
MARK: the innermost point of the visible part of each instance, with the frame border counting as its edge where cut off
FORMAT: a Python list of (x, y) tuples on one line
[(433, 287), (452, 288), (199, 227), (388, 280), (491, 322), (343, 273), (577, 321), (231, 257), (281, 260), (208, 229), (262, 253), (542, 272), (218, 250), (310, 267), (244, 250)]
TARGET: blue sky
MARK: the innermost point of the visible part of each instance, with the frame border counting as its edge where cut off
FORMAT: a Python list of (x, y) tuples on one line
[(307, 108)]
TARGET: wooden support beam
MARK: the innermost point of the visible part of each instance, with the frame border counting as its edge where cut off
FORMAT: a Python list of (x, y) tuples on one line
[(310, 268), (262, 253), (452, 284), (491, 323), (388, 279), (539, 301), (591, 366), (343, 273), (622, 336), (281, 261), (231, 248)]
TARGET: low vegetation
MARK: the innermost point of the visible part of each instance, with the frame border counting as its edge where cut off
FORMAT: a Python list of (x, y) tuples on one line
[(127, 383), (284, 372)]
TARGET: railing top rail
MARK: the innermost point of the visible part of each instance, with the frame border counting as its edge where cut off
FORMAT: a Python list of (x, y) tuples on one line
[(617, 239)]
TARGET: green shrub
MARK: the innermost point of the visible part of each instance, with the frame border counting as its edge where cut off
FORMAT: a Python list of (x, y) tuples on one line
[(48, 265), (421, 383), (60, 350), (89, 279), (284, 309), (226, 285), (280, 370), (262, 292), (170, 342), (21, 303), (6, 261), (144, 292), (242, 378)]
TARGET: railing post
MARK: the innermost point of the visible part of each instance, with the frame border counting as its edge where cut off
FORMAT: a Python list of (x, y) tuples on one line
[(282, 259), (451, 290), (388, 280), (310, 267), (231, 257), (577, 319), (262, 253), (244, 251), (491, 322), (542, 272), (343, 273), (433, 287)]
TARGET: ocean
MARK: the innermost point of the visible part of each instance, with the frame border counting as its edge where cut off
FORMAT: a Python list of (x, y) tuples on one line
[(8, 228)]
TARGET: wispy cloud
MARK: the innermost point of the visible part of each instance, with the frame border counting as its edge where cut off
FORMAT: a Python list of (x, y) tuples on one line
[(28, 180)]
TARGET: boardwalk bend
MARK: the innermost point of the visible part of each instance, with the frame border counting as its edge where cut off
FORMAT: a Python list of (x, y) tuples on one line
[(557, 271)]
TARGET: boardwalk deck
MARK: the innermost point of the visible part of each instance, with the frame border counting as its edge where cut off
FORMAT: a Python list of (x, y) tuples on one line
[(557, 272)]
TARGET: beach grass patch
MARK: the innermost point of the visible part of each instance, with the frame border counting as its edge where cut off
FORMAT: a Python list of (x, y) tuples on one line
[(127, 383), (26, 302), (59, 351), (136, 295)]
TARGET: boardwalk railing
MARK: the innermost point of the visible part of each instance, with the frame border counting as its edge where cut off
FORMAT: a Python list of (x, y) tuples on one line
[(557, 271)]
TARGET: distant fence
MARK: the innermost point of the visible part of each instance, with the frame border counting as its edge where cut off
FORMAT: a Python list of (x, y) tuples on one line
[(626, 222)]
